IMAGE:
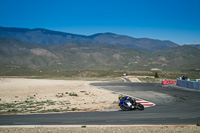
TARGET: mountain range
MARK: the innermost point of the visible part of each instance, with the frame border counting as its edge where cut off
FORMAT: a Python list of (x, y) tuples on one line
[(49, 37), (46, 49)]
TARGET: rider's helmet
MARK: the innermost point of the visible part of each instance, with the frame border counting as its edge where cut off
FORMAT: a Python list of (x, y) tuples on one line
[(120, 96)]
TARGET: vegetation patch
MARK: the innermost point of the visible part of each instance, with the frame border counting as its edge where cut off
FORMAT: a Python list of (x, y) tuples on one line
[(32, 107), (59, 95), (73, 94), (75, 109)]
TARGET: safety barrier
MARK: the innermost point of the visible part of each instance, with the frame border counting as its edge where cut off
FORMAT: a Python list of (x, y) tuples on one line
[(188, 84), (167, 82), (171, 82)]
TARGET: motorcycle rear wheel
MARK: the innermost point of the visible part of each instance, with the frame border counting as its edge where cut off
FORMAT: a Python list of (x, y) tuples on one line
[(140, 106), (124, 108)]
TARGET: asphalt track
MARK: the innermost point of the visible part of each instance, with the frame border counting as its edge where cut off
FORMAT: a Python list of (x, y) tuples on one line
[(174, 106)]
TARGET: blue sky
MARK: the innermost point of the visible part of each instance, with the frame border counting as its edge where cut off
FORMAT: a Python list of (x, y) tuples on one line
[(175, 20)]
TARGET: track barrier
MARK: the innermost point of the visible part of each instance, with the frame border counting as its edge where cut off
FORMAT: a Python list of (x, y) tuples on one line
[(167, 82), (189, 84), (171, 81)]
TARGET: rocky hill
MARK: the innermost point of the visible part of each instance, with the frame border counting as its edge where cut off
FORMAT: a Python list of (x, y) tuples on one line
[(79, 56)]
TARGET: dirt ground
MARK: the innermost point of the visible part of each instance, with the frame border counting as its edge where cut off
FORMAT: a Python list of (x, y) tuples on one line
[(45, 95), (98, 129), (133, 78)]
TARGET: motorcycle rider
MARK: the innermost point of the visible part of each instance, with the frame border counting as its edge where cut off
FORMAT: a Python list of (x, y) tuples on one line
[(127, 103), (133, 101)]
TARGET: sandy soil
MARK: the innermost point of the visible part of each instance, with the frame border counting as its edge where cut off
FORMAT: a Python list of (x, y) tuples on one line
[(35, 95), (128, 129)]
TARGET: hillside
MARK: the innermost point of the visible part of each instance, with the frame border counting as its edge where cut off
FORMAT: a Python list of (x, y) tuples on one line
[(49, 37), (14, 52), (68, 57), (195, 45), (179, 58), (77, 56)]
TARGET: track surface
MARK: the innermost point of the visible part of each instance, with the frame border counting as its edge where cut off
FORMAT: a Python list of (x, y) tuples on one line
[(174, 106)]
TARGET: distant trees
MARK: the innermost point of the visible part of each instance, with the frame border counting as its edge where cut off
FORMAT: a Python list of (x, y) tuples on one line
[(156, 75)]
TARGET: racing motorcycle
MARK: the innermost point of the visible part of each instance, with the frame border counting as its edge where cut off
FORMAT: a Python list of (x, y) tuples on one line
[(127, 103)]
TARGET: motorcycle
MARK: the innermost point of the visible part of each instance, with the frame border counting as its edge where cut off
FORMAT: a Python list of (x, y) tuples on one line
[(127, 103)]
